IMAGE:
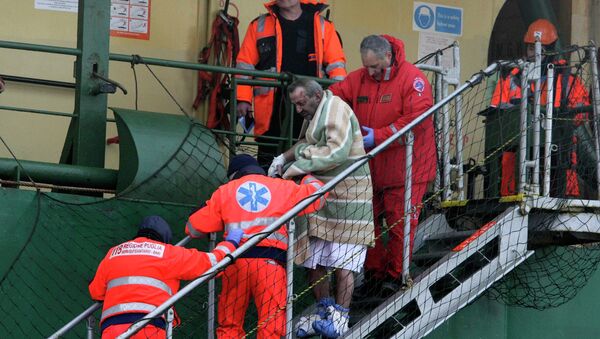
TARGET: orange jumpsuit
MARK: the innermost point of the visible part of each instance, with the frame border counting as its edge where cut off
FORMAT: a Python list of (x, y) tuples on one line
[(138, 275), (252, 203)]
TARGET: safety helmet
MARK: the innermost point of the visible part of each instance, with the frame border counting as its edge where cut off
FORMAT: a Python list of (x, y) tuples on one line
[(154, 227), (243, 164), (545, 29)]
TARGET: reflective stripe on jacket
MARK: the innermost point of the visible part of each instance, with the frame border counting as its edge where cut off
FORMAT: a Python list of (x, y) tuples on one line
[(139, 275), (262, 50), (252, 203)]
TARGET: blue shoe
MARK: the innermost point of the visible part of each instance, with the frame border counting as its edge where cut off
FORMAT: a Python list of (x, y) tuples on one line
[(304, 327), (335, 324)]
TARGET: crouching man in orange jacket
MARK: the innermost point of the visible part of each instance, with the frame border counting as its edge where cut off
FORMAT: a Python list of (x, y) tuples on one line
[(138, 275), (251, 201)]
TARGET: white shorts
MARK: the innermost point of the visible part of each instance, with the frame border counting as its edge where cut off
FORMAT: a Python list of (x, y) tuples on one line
[(332, 254)]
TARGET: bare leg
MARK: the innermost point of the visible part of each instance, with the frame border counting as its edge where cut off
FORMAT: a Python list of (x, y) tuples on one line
[(320, 290), (344, 287)]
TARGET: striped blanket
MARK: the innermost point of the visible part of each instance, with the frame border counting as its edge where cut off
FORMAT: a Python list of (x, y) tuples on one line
[(334, 142)]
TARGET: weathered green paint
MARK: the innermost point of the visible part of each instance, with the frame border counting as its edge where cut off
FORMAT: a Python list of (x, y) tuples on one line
[(150, 140), (16, 211), (85, 143), (57, 174)]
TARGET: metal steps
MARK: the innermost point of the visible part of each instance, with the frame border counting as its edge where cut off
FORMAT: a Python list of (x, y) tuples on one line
[(452, 282)]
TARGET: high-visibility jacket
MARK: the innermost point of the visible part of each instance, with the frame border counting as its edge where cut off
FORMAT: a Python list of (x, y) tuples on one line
[(139, 275), (509, 88), (252, 203), (262, 50), (387, 106)]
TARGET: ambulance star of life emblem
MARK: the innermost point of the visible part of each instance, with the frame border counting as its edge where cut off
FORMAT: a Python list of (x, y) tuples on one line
[(253, 196)]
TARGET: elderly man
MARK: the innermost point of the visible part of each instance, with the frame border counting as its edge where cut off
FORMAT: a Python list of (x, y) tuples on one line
[(336, 236)]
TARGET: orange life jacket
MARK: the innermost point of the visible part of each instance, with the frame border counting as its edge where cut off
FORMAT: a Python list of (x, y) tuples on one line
[(264, 35), (509, 88)]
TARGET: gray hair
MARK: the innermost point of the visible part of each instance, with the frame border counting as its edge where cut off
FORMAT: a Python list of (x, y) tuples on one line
[(376, 44), (311, 87)]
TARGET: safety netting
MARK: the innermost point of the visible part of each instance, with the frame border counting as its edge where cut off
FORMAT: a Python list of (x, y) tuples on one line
[(477, 221)]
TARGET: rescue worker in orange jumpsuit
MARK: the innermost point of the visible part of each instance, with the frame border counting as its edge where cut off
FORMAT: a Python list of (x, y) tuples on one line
[(292, 37), (138, 275), (569, 92), (250, 202)]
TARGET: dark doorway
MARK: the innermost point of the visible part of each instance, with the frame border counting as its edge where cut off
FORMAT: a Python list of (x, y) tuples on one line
[(506, 41)]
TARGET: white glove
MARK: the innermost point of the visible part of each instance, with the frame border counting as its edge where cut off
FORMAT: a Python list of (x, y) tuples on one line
[(277, 163)]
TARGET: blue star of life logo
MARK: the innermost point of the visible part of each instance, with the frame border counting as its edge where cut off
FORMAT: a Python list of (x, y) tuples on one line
[(253, 197)]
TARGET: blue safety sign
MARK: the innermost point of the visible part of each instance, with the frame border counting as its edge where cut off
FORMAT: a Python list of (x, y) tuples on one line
[(433, 18)]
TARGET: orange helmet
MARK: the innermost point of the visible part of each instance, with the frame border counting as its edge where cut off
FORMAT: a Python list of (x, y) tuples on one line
[(545, 29)]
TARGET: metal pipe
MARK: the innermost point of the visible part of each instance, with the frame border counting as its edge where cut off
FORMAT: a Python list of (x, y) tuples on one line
[(170, 318), (459, 148), (94, 307), (212, 289), (446, 144), (90, 326), (40, 48), (535, 182), (84, 315), (289, 308), (438, 128), (60, 174), (409, 140), (433, 68), (36, 81), (233, 113), (548, 130), (475, 79), (523, 130), (596, 104), (39, 111)]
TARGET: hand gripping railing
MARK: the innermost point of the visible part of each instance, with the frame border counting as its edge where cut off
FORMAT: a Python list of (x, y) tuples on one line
[(475, 79), (97, 305)]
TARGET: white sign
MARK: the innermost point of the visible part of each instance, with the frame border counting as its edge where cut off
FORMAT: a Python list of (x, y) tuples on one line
[(58, 5), (431, 42), (138, 248), (436, 18)]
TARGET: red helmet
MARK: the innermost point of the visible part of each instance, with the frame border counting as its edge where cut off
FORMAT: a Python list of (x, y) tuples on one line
[(545, 29)]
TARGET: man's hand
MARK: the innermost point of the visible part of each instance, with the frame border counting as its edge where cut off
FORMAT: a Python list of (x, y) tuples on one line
[(369, 139), (234, 236), (276, 167), (244, 109)]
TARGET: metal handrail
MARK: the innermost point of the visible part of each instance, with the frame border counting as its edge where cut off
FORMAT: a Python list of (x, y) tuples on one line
[(475, 79)]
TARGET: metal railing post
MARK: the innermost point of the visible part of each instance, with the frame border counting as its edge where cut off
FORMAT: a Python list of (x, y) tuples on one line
[(289, 309), (438, 128), (170, 319), (446, 145), (596, 106), (409, 141), (523, 130), (548, 130), (212, 300), (535, 181), (89, 324)]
